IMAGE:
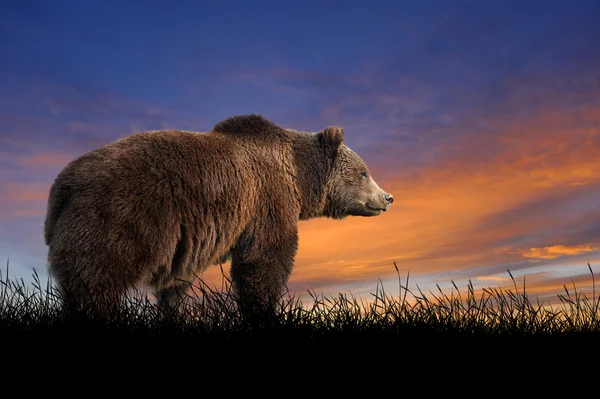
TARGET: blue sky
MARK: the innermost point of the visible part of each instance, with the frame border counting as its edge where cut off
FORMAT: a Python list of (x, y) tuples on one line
[(482, 118)]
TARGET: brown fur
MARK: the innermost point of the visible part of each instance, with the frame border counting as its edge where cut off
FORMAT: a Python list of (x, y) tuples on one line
[(159, 207)]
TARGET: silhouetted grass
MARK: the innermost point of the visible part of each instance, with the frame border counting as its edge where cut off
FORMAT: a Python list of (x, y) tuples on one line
[(35, 310)]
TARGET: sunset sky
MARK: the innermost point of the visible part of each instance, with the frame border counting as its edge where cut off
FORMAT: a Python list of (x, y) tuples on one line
[(482, 118)]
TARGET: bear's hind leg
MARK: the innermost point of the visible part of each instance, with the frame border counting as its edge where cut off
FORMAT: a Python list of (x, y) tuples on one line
[(98, 298), (84, 286)]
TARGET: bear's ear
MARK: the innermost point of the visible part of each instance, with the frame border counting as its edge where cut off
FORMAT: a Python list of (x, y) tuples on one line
[(331, 138)]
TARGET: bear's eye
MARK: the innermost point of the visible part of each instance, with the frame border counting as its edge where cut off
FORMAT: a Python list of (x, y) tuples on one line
[(364, 174)]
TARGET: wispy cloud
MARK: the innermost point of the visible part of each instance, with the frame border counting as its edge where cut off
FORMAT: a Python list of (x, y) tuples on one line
[(23, 200), (27, 192), (555, 251), (492, 278), (44, 159)]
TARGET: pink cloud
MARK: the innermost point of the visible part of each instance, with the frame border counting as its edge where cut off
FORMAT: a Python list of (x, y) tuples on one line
[(43, 159), (27, 192), (36, 212)]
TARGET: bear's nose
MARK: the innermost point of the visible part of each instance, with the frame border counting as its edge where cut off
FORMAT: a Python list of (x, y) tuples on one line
[(389, 198)]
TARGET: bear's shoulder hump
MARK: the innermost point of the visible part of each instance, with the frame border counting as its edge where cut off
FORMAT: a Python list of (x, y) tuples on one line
[(249, 125)]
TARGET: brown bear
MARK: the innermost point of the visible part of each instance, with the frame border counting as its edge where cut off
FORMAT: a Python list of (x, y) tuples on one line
[(159, 207)]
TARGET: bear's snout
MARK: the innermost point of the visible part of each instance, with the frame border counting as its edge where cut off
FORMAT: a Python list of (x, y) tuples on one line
[(387, 201), (389, 198)]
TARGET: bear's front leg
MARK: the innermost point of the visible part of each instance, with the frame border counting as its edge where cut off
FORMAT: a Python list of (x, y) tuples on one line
[(261, 267), (171, 297)]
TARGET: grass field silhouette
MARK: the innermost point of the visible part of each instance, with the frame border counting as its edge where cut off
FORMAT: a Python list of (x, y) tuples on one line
[(35, 310)]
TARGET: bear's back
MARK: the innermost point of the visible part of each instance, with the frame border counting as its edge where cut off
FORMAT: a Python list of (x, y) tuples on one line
[(252, 126)]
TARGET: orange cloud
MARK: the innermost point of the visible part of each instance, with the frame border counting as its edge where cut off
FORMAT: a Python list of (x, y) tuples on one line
[(492, 278), (556, 251), (452, 214)]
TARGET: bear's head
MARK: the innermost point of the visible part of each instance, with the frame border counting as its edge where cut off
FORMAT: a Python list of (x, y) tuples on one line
[(350, 189)]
